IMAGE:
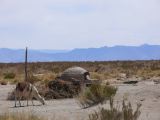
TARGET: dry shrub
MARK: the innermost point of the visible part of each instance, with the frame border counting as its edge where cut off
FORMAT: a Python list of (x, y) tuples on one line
[(49, 76), (62, 89), (32, 79), (20, 116), (43, 78), (126, 113), (15, 81), (97, 76), (9, 75), (96, 94)]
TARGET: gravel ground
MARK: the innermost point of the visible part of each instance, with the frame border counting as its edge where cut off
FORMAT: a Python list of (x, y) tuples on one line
[(146, 92)]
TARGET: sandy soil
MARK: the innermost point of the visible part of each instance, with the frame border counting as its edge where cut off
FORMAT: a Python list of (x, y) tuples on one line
[(145, 92)]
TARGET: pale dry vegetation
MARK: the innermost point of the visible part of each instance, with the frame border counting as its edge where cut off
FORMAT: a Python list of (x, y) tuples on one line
[(99, 94), (115, 113), (96, 94), (46, 71), (20, 116), (43, 73)]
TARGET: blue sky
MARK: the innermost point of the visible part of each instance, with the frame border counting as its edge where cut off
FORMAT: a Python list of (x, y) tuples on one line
[(68, 24)]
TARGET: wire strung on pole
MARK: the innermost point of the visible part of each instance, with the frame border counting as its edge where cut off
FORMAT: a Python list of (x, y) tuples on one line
[(26, 58)]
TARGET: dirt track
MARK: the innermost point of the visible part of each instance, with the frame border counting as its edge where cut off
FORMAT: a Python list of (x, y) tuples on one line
[(147, 93)]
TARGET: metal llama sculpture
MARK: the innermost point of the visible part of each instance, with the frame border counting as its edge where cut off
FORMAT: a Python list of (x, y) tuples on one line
[(26, 89)]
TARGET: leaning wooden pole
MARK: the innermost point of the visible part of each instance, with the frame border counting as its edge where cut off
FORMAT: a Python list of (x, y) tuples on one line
[(26, 60)]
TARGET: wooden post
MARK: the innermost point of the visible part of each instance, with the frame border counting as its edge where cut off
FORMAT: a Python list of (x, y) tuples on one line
[(26, 56)]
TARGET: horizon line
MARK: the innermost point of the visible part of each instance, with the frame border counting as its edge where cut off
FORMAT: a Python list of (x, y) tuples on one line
[(145, 44)]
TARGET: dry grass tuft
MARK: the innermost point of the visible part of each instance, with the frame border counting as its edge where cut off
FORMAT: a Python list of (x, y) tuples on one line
[(9, 75), (96, 94), (20, 116), (126, 113)]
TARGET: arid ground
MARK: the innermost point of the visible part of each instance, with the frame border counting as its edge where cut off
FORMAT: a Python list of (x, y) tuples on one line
[(145, 92)]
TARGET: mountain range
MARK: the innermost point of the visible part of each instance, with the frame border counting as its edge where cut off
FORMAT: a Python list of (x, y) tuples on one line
[(143, 52)]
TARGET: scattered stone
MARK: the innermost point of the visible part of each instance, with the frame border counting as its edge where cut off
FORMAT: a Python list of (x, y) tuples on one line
[(3, 83), (156, 81), (143, 99), (130, 82)]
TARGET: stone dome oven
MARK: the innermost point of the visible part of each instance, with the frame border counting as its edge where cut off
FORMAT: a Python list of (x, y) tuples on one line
[(76, 74)]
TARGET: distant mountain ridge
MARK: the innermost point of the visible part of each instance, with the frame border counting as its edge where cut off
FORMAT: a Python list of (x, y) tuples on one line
[(143, 52)]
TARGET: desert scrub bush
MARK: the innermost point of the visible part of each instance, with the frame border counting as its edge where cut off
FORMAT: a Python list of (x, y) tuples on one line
[(50, 76), (96, 94), (46, 78), (114, 113), (57, 69), (96, 75), (20, 116), (9, 75), (32, 78), (15, 81)]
